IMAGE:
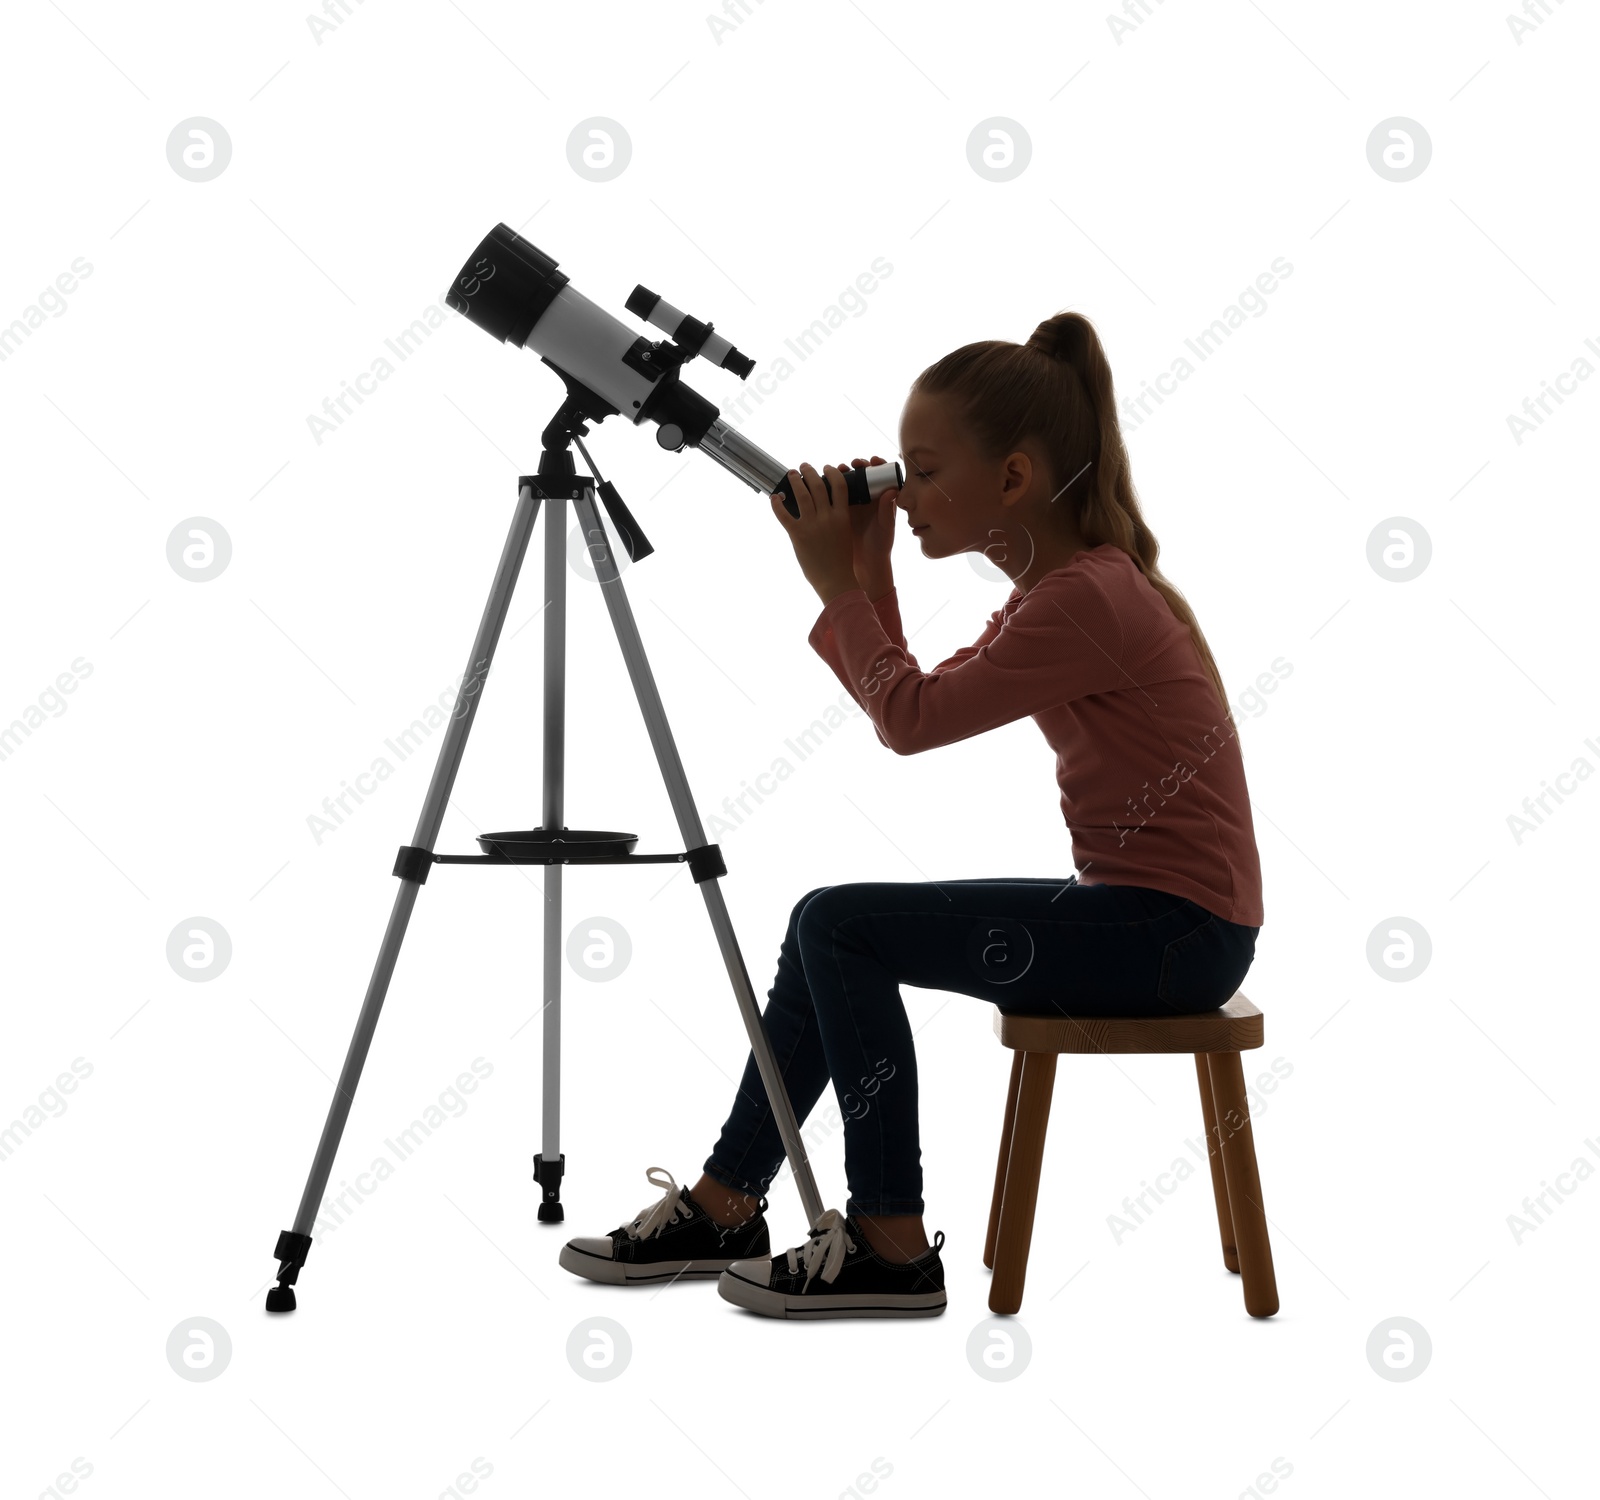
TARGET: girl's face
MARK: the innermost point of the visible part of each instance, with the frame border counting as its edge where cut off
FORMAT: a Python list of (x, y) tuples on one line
[(955, 500)]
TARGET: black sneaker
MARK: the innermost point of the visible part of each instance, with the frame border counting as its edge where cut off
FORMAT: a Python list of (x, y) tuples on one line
[(671, 1238), (836, 1274)]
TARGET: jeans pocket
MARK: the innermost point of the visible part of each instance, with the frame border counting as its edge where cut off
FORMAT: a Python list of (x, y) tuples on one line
[(1194, 971)]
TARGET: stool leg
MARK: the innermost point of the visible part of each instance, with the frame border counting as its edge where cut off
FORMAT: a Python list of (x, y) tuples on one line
[(1021, 1193), (1219, 1183), (1005, 1157), (1244, 1185)]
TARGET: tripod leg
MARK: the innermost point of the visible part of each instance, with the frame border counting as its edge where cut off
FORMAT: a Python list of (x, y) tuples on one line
[(295, 1244), (689, 826), (550, 1164), (550, 1161)]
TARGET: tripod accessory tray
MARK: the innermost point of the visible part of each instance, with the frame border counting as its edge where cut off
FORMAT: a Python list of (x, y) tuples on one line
[(564, 846), (539, 846)]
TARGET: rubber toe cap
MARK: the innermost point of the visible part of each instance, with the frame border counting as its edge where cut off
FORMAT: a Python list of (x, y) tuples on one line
[(601, 1249), (758, 1271)]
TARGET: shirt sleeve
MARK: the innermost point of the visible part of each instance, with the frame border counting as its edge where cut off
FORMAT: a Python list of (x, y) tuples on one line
[(1062, 640), (887, 608)]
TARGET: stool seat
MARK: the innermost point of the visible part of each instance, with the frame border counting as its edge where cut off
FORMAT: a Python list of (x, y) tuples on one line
[(1215, 1038), (1237, 1027)]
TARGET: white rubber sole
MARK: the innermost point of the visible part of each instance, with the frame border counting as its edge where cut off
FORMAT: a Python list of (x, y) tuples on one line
[(625, 1273), (771, 1304)]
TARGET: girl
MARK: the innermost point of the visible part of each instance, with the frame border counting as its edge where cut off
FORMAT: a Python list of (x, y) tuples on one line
[(1014, 450)]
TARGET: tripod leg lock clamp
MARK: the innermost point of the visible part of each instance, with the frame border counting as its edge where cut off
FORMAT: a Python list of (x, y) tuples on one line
[(291, 1252), (412, 863), (548, 1175), (705, 863)]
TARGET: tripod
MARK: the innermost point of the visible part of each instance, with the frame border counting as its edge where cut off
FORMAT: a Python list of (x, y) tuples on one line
[(552, 844)]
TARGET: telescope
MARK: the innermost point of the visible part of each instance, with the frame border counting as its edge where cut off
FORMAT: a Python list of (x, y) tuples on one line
[(514, 291)]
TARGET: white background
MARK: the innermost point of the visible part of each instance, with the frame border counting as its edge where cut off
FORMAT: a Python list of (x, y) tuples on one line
[(769, 168)]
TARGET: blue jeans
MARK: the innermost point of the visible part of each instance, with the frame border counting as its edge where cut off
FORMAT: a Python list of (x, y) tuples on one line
[(1032, 946)]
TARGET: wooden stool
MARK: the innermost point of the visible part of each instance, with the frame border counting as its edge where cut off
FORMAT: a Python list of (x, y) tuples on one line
[(1216, 1038)]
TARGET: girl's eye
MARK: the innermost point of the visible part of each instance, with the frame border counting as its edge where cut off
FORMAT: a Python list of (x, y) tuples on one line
[(920, 474)]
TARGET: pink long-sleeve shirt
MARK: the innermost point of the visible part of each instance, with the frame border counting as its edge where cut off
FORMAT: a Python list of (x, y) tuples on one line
[(1150, 771)]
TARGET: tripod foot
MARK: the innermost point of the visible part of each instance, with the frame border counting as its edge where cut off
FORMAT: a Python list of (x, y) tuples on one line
[(291, 1252), (548, 1175)]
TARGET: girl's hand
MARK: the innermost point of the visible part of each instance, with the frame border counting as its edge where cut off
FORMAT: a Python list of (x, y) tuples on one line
[(872, 527), (822, 534)]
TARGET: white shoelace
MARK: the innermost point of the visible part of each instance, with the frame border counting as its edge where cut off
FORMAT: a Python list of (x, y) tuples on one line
[(655, 1217), (825, 1250)]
